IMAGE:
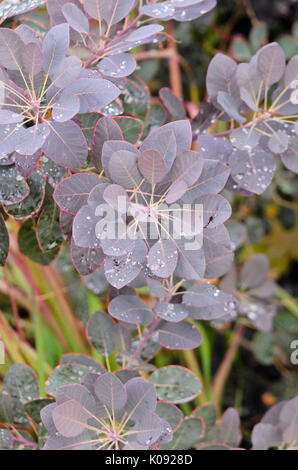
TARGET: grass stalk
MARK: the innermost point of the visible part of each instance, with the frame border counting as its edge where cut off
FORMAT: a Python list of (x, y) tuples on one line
[(224, 369)]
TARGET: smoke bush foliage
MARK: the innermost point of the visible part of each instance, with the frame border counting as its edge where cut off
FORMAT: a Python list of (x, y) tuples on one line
[(78, 131)]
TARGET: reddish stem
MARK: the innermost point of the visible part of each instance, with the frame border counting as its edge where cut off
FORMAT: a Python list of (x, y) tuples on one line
[(147, 337), (224, 369), (174, 65)]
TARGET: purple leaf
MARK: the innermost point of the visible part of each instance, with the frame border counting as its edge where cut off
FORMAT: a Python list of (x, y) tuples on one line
[(195, 11), (100, 333), (134, 445), (291, 73), (148, 428), (144, 32), (86, 260), (32, 59), (9, 137), (290, 157), (25, 164), (181, 130), (163, 11), (55, 46), (70, 418), (230, 428), (229, 282), (152, 166), (11, 49), (47, 418), (187, 167), (68, 72), (170, 312), (289, 420), (245, 139), (116, 197), (218, 251), (117, 66), (96, 195), (237, 233), (185, 3), (117, 248), (253, 170), (112, 146), (271, 62), (221, 76), (54, 8), (66, 221), (75, 18), (122, 338), (279, 142), (248, 98), (76, 392), (176, 191), (9, 117), (181, 335), (173, 104), (162, 258), (204, 119), (84, 228), (165, 143), (66, 144), (123, 44), (254, 272), (212, 179), (265, 436), (121, 270), (110, 391), (58, 442), (272, 415), (206, 302), (123, 169), (229, 105), (105, 129), (214, 148), (130, 309), (28, 34), (191, 262), (141, 397), (111, 12), (73, 192), (66, 107), (31, 139), (216, 209), (93, 94), (234, 187), (250, 82)]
